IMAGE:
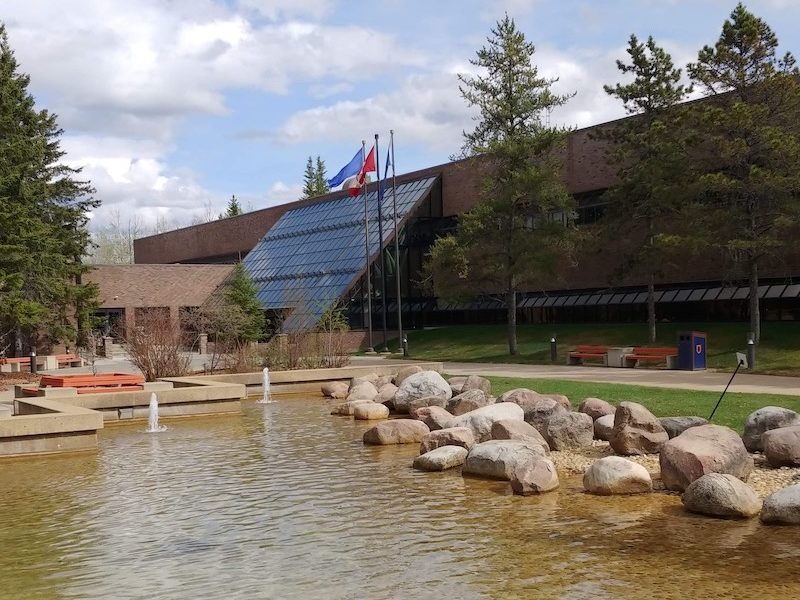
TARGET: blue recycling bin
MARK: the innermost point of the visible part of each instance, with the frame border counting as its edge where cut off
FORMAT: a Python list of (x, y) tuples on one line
[(692, 350)]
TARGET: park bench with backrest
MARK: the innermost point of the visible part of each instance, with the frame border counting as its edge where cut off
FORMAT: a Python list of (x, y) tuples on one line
[(68, 360), (94, 384), (641, 354), (586, 352)]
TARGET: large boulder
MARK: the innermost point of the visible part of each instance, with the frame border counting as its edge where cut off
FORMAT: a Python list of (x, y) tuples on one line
[(452, 436), (439, 459), (435, 417), (386, 394), (674, 426), (421, 385), (362, 390), (369, 377), (457, 384), (539, 411), (560, 398), (406, 372), (511, 429), (721, 495), (370, 411), (335, 389), (596, 408), (701, 450), (782, 507), (382, 380), (604, 427), (782, 446), (475, 382), (496, 459), (636, 430), (765, 419), (396, 431), (616, 475), (570, 430), (439, 401), (466, 401), (348, 408), (536, 476), (518, 396), (481, 419)]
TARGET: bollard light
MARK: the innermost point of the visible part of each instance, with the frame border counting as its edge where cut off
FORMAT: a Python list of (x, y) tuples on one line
[(405, 346), (751, 353), (33, 360), (553, 349)]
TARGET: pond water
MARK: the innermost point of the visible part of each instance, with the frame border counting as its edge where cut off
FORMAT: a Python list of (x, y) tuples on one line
[(284, 501)]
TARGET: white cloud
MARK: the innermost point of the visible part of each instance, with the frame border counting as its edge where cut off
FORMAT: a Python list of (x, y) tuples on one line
[(280, 192)]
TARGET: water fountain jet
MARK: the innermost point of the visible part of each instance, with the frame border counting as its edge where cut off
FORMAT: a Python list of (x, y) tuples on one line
[(267, 397), (152, 417)]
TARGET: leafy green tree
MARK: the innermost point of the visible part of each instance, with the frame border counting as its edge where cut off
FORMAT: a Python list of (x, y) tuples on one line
[(649, 152), (240, 294), (43, 216), (234, 209), (520, 231), (315, 181), (748, 145)]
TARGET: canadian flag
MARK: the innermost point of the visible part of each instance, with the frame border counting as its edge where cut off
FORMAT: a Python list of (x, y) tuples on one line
[(354, 184)]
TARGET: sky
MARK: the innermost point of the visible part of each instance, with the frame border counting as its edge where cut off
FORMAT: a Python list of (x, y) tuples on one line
[(172, 106)]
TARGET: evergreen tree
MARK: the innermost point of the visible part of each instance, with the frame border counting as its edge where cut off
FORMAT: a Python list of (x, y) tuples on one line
[(43, 218), (649, 153), (233, 209), (748, 145), (240, 294), (520, 230), (315, 181)]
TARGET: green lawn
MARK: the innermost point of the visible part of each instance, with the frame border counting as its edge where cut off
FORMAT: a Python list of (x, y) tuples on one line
[(662, 402), (778, 353)]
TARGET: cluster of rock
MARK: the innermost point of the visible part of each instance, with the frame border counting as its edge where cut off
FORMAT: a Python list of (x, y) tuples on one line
[(459, 423)]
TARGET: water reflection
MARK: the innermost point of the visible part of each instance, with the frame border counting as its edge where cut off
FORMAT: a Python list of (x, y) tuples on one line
[(283, 501)]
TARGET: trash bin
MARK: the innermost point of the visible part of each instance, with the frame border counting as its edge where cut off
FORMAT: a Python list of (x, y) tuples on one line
[(692, 350)]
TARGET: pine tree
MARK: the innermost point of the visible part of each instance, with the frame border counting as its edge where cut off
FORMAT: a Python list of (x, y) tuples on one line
[(650, 154), (241, 294), (234, 209), (321, 176), (315, 182), (520, 230), (748, 145), (43, 217)]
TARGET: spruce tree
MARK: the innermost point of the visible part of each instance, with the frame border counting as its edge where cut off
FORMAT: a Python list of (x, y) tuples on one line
[(321, 177), (748, 146), (240, 293), (43, 216), (234, 209), (520, 232), (309, 179), (649, 153)]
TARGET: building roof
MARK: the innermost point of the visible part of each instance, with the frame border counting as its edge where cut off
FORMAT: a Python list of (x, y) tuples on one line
[(156, 285)]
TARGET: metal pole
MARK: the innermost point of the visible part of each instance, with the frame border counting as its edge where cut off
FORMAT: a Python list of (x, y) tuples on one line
[(380, 244), (397, 253), (366, 254), (736, 370)]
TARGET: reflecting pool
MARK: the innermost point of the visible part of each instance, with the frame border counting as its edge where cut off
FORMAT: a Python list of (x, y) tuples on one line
[(284, 501)]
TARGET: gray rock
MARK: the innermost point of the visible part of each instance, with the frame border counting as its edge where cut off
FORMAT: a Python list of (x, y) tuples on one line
[(532, 477), (435, 417), (701, 450), (518, 396), (518, 430), (439, 459), (386, 394), (348, 408), (540, 411), (457, 384), (603, 427), (616, 475), (560, 398), (363, 390), (406, 372), (596, 408), (439, 401), (721, 495), (674, 426), (420, 385), (452, 436), (370, 411), (568, 431), (466, 401), (475, 382), (782, 507), (396, 431), (636, 430), (782, 446), (335, 389), (764, 419), (496, 459), (481, 419)]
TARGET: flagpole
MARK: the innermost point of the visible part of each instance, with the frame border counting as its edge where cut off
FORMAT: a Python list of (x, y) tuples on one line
[(380, 244), (370, 348), (396, 251)]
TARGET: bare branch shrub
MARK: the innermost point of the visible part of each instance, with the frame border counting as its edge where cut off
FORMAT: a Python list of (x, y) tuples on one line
[(154, 345)]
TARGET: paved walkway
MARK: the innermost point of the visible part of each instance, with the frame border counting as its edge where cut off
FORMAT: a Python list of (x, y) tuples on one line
[(688, 380)]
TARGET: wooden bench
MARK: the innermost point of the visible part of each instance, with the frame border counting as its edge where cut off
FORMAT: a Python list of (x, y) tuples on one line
[(654, 355), (581, 353), (96, 384), (68, 360)]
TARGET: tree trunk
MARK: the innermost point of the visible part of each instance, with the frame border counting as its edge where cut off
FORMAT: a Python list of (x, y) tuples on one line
[(755, 314), (511, 307), (651, 309), (18, 342)]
